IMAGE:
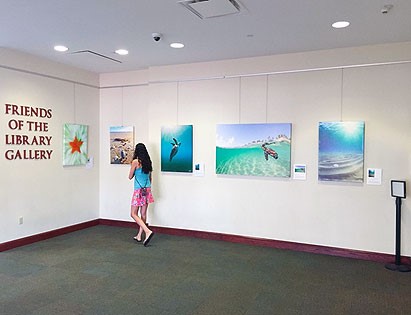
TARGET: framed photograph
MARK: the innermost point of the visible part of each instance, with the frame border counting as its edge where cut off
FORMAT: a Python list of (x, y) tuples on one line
[(254, 149), (121, 145), (177, 148), (341, 151), (75, 141)]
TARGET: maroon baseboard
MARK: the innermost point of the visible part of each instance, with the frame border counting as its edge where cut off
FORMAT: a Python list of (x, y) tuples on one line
[(118, 223), (316, 249), (43, 236)]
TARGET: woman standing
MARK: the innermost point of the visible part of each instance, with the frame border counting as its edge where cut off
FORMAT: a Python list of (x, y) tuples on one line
[(141, 168)]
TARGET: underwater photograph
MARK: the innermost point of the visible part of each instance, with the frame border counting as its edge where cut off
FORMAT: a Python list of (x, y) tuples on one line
[(254, 149), (341, 151), (177, 148)]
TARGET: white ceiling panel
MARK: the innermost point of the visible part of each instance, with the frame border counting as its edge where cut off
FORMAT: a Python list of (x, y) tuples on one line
[(263, 27)]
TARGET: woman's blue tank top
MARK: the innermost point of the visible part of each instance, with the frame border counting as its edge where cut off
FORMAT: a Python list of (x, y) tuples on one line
[(142, 178)]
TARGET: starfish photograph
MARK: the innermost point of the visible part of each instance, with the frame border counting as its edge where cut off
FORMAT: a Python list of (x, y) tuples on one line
[(75, 144)]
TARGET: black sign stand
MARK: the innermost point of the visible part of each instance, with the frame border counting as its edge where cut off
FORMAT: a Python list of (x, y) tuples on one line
[(397, 266)]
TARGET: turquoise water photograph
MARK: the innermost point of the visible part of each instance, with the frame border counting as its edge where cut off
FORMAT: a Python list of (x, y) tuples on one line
[(254, 149), (177, 148), (341, 151)]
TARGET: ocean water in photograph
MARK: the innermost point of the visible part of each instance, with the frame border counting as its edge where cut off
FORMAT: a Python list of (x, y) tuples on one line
[(177, 149), (121, 145), (253, 161), (341, 151)]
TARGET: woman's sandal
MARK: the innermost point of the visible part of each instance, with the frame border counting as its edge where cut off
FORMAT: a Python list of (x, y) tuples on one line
[(136, 239), (147, 240)]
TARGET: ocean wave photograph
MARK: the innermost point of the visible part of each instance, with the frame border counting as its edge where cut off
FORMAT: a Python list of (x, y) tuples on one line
[(341, 151)]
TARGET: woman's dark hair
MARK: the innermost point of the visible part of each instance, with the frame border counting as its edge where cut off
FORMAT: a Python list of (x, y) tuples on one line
[(142, 155)]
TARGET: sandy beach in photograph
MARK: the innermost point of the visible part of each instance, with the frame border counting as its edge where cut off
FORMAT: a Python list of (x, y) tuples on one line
[(121, 147)]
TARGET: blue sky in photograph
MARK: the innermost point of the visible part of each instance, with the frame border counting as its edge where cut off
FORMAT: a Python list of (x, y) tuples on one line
[(121, 129), (234, 135)]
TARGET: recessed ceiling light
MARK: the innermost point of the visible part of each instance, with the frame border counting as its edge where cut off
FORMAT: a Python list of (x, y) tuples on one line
[(60, 48), (340, 24), (176, 45), (121, 52)]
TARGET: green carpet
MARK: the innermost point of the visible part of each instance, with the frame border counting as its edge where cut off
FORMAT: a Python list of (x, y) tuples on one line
[(101, 270)]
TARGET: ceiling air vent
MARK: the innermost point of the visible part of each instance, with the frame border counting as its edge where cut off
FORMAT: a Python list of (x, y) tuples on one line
[(206, 9), (93, 53)]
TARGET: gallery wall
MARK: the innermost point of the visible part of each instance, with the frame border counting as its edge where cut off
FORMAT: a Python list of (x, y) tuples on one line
[(123, 106), (39, 195), (369, 84)]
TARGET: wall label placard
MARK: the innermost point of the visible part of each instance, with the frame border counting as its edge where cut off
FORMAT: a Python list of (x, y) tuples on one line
[(27, 137)]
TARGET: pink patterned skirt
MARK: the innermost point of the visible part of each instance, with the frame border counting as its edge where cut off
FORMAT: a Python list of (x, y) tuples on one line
[(139, 199)]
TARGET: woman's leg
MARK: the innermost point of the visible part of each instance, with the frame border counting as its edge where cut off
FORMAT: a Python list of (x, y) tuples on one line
[(140, 222), (143, 212), (139, 228), (134, 212)]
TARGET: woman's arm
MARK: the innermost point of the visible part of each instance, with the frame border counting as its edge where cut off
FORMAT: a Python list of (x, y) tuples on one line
[(132, 169)]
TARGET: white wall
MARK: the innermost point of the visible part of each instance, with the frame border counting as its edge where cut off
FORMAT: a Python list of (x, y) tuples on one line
[(355, 216), (46, 194), (126, 106)]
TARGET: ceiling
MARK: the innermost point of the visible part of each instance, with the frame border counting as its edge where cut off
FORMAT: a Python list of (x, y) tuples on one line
[(263, 27)]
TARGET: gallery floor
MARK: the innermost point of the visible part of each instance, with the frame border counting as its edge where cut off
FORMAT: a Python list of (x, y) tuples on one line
[(101, 270)]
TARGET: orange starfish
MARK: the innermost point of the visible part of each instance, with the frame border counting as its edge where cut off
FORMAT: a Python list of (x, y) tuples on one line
[(75, 145)]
